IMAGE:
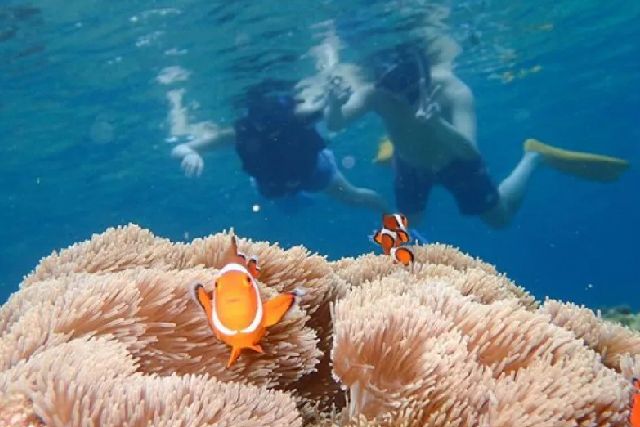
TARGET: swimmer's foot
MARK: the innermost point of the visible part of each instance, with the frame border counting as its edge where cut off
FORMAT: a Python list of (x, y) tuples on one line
[(589, 166), (385, 152)]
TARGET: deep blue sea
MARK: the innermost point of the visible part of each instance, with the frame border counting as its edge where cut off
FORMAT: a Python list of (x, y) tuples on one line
[(85, 141)]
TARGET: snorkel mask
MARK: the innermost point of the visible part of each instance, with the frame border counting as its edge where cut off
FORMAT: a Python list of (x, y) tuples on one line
[(404, 71)]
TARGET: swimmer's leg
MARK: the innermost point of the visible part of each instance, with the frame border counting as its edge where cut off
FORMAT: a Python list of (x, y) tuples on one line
[(412, 187), (590, 166), (511, 192), (342, 190)]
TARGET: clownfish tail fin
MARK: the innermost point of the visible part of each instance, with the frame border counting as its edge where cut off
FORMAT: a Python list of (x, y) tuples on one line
[(235, 353)]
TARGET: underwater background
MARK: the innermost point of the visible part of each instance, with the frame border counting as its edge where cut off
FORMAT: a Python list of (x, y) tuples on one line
[(83, 119)]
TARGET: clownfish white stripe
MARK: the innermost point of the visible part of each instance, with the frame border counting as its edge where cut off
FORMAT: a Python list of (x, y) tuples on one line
[(399, 221), (257, 320), (233, 267), (390, 233), (216, 320)]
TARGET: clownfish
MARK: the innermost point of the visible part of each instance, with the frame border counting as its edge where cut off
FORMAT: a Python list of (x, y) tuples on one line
[(234, 308), (392, 236), (397, 223), (402, 255), (634, 416), (386, 239)]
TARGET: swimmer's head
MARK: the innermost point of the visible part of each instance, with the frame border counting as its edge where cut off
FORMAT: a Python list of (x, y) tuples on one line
[(270, 120), (276, 145), (269, 102), (401, 70)]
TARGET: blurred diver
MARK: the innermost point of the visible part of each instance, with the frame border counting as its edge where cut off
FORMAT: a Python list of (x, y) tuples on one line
[(279, 148), (429, 115)]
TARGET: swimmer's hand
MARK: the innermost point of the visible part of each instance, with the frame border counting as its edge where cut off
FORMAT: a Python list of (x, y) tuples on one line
[(192, 163), (429, 108)]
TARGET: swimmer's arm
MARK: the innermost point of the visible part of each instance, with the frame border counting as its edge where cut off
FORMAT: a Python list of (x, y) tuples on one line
[(338, 114), (463, 116), (209, 141), (461, 130), (190, 152)]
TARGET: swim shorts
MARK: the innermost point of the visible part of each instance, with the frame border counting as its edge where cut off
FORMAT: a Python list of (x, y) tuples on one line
[(467, 180), (323, 173)]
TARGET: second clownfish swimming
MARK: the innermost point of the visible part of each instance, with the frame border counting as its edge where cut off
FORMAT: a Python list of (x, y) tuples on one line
[(234, 308), (392, 236)]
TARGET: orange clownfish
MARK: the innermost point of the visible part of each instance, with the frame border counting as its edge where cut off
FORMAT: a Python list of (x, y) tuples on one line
[(234, 309), (386, 239), (397, 223), (392, 236), (634, 417), (402, 255)]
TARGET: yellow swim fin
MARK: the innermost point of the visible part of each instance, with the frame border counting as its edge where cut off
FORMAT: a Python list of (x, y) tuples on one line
[(385, 151), (589, 166)]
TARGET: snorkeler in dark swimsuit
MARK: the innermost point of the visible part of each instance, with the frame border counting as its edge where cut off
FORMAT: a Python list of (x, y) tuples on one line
[(282, 151)]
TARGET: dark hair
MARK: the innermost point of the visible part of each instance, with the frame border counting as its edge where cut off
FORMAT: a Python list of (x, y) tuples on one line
[(400, 70), (275, 145)]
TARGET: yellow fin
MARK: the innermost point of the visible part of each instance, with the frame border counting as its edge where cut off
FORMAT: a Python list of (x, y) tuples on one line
[(385, 151), (277, 307), (589, 166), (203, 298)]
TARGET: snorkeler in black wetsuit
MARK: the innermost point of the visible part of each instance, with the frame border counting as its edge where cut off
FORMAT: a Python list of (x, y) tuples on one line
[(281, 150)]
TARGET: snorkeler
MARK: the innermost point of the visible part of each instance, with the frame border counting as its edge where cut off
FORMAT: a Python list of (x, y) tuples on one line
[(282, 151), (429, 115)]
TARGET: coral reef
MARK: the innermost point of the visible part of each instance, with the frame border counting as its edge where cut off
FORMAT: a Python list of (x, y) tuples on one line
[(104, 333)]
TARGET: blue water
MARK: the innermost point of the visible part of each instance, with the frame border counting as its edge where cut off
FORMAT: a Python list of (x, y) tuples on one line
[(83, 125)]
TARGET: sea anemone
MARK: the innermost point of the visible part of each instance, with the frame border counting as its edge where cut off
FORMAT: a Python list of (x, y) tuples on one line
[(422, 352), (104, 333)]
